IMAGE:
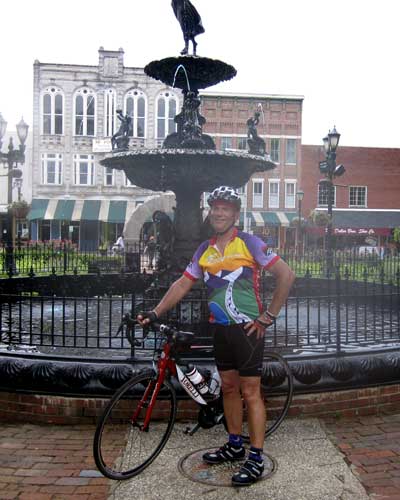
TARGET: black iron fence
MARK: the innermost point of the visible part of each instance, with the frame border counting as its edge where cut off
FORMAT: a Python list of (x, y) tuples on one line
[(61, 258), (39, 259), (323, 315)]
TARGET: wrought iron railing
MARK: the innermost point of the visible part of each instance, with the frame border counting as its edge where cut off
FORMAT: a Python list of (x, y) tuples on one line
[(326, 315), (65, 258)]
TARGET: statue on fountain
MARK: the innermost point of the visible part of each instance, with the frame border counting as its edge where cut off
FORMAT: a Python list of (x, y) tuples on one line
[(120, 140), (255, 142), (190, 22), (189, 126)]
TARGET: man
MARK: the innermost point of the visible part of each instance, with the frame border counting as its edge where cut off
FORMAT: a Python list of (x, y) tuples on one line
[(230, 264)]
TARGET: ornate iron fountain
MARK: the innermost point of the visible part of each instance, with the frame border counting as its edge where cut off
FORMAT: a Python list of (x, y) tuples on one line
[(188, 163)]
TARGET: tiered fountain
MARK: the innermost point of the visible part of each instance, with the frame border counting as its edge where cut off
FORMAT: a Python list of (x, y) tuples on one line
[(188, 163)]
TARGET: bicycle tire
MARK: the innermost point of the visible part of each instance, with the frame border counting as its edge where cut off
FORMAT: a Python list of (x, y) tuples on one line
[(286, 377), (115, 451)]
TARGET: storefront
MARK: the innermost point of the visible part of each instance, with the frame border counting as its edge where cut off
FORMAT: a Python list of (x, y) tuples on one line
[(86, 223), (273, 227), (362, 228)]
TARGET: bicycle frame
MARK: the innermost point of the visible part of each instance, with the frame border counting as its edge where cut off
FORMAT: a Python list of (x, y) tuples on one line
[(165, 365)]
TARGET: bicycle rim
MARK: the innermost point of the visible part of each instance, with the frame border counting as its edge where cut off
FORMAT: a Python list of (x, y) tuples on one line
[(284, 376), (121, 448)]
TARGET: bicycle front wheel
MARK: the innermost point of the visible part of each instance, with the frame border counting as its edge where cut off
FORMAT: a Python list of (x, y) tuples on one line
[(121, 448)]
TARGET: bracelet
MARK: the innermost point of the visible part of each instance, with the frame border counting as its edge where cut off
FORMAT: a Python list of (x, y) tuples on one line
[(269, 315), (262, 323)]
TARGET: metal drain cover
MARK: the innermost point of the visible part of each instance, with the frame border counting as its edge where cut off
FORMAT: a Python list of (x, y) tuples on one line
[(193, 467)]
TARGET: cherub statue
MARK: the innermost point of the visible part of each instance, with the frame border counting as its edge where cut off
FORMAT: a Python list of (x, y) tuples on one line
[(120, 139), (255, 142), (190, 22)]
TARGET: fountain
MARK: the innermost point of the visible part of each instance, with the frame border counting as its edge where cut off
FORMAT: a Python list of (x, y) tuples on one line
[(188, 163)]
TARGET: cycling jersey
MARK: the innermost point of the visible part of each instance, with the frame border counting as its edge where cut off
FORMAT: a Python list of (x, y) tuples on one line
[(232, 279)]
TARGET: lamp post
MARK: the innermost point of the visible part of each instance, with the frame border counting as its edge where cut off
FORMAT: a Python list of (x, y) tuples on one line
[(330, 170), (11, 160), (300, 196)]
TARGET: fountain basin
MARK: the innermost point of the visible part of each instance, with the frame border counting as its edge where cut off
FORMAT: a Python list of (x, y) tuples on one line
[(203, 72), (176, 169)]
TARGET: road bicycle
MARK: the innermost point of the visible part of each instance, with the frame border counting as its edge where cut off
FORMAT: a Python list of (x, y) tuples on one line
[(124, 444)]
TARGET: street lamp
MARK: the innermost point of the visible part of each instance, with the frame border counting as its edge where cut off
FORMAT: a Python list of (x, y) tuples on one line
[(11, 160), (300, 196), (330, 171)]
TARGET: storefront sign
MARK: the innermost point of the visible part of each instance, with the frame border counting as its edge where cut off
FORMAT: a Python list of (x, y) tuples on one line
[(101, 145), (350, 231)]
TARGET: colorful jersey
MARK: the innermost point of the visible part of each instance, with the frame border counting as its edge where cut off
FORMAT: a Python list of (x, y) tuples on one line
[(232, 279)]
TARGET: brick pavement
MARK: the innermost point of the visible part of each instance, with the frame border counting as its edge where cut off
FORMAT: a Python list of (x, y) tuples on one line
[(43, 462), (371, 446)]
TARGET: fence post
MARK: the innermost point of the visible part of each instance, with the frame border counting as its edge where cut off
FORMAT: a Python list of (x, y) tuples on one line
[(338, 325)]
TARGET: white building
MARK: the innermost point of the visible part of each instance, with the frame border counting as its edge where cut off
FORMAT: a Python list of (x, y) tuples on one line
[(73, 196)]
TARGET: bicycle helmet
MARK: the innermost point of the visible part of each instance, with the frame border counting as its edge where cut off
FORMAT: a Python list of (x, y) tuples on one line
[(225, 193)]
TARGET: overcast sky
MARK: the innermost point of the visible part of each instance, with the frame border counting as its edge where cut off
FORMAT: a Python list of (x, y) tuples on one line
[(342, 56)]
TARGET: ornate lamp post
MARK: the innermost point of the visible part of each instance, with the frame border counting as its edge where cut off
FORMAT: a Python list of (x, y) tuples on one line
[(11, 160), (330, 170), (300, 196)]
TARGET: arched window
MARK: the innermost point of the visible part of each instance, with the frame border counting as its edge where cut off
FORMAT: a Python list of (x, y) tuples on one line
[(110, 117), (52, 111), (85, 112), (167, 105), (135, 106)]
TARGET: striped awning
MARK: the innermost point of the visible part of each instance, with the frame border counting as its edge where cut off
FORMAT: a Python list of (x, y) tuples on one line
[(268, 218), (118, 211)]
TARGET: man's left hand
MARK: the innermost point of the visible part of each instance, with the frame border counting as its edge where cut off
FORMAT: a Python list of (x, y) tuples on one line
[(259, 326)]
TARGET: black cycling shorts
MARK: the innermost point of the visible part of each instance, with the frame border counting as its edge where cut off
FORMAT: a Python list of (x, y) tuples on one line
[(235, 350)]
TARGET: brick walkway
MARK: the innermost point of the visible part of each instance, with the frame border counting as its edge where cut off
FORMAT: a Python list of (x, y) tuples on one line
[(371, 446), (49, 462)]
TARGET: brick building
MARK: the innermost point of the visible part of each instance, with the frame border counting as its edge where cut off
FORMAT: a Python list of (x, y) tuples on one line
[(269, 199), (367, 197)]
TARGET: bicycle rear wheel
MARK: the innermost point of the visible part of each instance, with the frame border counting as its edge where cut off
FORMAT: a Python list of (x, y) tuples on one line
[(121, 448)]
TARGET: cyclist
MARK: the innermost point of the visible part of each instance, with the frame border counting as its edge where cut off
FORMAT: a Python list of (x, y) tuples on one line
[(230, 264)]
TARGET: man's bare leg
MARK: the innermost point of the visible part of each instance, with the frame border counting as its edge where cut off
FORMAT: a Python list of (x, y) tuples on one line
[(251, 392), (232, 399)]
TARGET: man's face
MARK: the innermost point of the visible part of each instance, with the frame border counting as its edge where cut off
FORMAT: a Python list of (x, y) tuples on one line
[(223, 215)]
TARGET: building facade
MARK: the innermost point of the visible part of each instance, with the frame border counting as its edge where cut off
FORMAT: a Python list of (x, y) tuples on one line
[(366, 204), (75, 115), (269, 199)]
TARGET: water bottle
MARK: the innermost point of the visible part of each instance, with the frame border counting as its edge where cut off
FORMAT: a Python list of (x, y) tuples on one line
[(197, 379), (214, 385)]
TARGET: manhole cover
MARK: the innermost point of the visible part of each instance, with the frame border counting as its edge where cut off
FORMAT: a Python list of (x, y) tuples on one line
[(193, 467)]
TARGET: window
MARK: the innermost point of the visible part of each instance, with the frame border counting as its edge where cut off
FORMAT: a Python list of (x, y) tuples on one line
[(127, 182), (358, 196), (242, 192), (84, 170), (52, 111), (273, 201), (85, 110), (226, 143), (110, 117), (109, 176), (242, 143), (135, 107), (291, 151), (290, 195), (51, 168), (275, 150), (323, 192), (167, 104), (258, 193)]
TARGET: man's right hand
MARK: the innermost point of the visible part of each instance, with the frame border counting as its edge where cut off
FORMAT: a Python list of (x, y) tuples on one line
[(146, 318)]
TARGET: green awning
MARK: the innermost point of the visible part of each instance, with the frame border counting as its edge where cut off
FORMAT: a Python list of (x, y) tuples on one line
[(76, 210), (91, 209), (117, 211), (64, 210), (291, 215), (270, 218), (38, 209)]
